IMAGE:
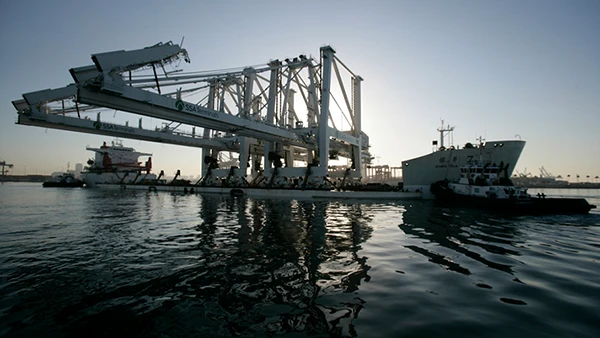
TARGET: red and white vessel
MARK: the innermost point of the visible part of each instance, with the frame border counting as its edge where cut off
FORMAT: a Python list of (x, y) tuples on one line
[(117, 164)]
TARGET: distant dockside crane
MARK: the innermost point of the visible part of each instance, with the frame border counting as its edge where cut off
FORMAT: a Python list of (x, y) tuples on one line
[(3, 164)]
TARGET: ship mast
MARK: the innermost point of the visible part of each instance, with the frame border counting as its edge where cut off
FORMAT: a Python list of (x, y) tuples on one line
[(442, 130)]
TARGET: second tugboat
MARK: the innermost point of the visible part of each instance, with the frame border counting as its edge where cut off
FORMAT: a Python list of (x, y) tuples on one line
[(487, 185), (64, 181)]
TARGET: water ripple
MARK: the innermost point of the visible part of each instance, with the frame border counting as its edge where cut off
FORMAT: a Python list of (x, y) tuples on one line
[(151, 264)]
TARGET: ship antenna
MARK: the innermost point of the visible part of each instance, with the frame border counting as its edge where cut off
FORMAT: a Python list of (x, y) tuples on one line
[(442, 130), (480, 149)]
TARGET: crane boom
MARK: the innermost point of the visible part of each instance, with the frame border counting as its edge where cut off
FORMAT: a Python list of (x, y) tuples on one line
[(110, 129), (138, 101), (121, 61)]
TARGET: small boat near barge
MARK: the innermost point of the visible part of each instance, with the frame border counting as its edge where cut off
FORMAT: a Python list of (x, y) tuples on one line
[(489, 186)]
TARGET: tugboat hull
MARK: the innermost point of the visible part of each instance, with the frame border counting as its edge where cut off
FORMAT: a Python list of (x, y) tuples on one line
[(533, 205), (77, 184), (66, 181)]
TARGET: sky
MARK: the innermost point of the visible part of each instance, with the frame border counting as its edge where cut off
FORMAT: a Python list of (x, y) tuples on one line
[(496, 69)]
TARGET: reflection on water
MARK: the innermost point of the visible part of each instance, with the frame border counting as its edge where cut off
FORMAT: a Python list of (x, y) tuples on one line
[(272, 265), (234, 266), (461, 231)]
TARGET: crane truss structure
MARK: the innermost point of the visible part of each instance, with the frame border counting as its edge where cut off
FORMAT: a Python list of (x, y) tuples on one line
[(253, 111)]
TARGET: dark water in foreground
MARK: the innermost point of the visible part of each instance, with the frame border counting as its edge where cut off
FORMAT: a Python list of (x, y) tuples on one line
[(84, 262)]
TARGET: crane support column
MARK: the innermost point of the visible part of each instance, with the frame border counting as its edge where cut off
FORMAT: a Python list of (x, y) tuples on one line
[(323, 135), (210, 105), (273, 86), (250, 75), (357, 150)]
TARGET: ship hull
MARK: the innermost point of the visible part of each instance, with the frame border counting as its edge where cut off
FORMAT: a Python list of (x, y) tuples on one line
[(93, 180), (419, 173), (534, 206), (270, 193)]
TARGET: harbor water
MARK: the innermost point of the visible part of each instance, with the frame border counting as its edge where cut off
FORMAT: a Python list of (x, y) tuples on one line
[(93, 263)]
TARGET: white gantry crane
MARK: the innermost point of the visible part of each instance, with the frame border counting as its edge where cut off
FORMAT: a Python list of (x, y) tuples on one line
[(545, 174), (252, 111)]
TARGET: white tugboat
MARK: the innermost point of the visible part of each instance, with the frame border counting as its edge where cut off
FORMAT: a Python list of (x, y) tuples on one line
[(487, 185)]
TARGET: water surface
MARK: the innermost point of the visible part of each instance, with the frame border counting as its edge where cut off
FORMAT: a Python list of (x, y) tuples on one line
[(77, 262)]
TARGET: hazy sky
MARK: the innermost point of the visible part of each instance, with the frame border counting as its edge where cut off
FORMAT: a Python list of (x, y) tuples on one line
[(491, 68)]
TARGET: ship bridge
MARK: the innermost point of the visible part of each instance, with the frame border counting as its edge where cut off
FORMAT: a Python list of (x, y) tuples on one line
[(253, 111)]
